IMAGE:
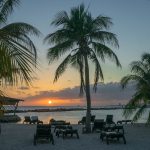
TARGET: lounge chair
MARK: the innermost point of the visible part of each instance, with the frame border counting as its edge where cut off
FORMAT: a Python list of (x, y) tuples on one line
[(34, 119), (27, 119), (67, 130), (124, 122), (112, 131), (114, 127), (62, 126), (43, 131), (112, 135), (98, 125), (59, 128), (109, 119), (58, 122), (83, 120)]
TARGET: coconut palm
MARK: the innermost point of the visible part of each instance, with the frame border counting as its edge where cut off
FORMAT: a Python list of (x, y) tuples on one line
[(141, 97), (80, 39), (17, 51)]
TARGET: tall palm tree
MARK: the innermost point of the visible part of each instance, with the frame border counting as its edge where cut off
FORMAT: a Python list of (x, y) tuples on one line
[(17, 51), (82, 38), (141, 98)]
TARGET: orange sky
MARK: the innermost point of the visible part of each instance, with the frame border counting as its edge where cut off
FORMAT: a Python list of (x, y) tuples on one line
[(54, 102)]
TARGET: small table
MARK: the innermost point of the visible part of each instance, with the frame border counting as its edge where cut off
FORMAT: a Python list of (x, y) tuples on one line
[(58, 127), (112, 135), (124, 121), (65, 132), (114, 128)]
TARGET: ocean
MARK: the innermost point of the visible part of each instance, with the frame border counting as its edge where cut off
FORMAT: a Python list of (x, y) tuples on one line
[(74, 116)]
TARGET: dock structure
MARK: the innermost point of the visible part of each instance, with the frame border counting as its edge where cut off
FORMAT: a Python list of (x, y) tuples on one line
[(8, 107)]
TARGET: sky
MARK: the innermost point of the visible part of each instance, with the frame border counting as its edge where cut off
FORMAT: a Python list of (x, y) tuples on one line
[(131, 25)]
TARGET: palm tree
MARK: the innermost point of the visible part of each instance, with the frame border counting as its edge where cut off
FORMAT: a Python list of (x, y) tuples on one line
[(141, 98), (17, 51), (81, 38)]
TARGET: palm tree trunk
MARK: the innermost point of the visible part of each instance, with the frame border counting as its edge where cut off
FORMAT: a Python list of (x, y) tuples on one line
[(88, 97)]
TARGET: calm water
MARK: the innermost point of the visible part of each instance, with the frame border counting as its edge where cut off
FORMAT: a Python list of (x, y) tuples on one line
[(75, 116)]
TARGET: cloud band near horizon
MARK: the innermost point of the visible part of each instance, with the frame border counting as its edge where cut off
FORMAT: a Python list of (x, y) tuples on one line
[(107, 94)]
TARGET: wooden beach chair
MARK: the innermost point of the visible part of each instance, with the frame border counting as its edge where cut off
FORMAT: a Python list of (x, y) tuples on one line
[(34, 119), (67, 130), (43, 132), (98, 125), (27, 119), (83, 120), (109, 119), (109, 136), (54, 123)]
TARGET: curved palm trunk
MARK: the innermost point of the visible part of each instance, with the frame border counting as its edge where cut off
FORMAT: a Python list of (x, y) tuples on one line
[(88, 97)]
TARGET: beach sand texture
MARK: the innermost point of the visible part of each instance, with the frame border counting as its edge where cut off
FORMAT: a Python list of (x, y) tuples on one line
[(20, 137)]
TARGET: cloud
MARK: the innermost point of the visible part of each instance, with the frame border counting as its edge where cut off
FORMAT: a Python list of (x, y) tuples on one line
[(107, 94)]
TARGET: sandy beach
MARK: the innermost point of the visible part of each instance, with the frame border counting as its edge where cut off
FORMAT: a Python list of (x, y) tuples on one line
[(20, 137)]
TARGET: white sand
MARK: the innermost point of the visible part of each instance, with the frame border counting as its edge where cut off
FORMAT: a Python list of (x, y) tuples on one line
[(20, 137)]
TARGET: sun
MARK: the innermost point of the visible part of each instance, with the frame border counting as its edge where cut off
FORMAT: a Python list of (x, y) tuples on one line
[(49, 102)]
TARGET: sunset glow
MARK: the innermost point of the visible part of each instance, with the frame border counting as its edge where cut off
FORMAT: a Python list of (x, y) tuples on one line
[(49, 102)]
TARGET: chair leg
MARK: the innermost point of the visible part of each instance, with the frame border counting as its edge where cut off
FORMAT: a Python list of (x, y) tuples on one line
[(34, 141), (107, 139), (52, 139), (77, 135), (0, 129), (63, 135), (124, 139), (123, 130)]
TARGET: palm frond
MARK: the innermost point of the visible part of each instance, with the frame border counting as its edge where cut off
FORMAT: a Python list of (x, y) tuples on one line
[(6, 8), (139, 113), (82, 83), (125, 80), (98, 70), (137, 67), (62, 67), (102, 22), (58, 37), (60, 18), (54, 53), (146, 58), (105, 37), (104, 51)]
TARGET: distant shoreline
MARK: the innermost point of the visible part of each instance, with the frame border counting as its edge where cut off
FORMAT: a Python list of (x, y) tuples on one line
[(63, 109)]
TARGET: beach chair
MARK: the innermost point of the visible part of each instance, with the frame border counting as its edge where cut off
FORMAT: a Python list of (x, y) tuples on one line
[(109, 136), (43, 132), (92, 118), (59, 129), (109, 119), (58, 122), (124, 122), (67, 130), (98, 125), (34, 119), (27, 119), (83, 120)]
